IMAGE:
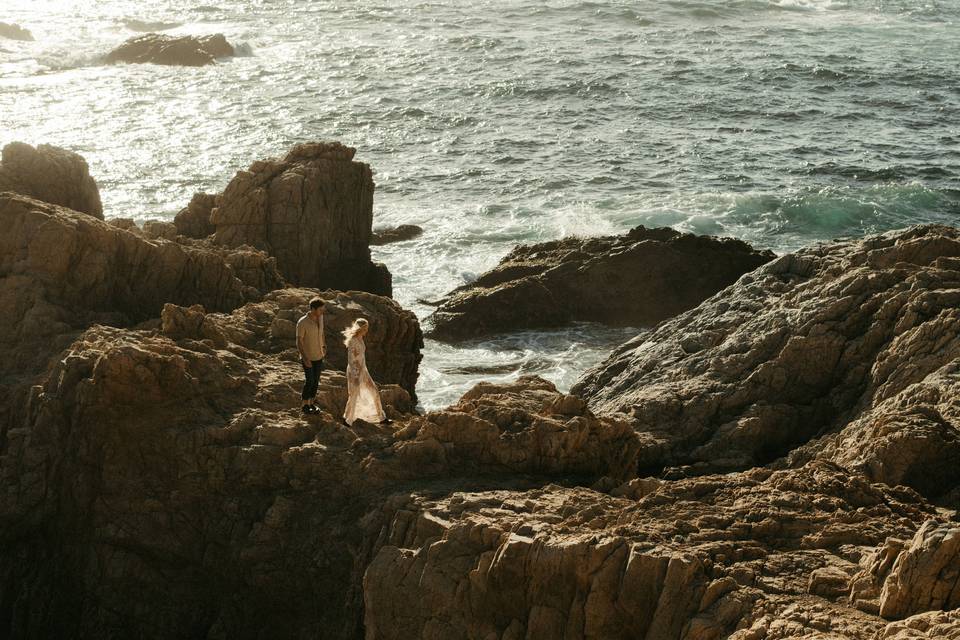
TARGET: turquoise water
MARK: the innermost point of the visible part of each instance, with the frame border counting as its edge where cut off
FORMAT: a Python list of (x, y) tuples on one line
[(495, 123)]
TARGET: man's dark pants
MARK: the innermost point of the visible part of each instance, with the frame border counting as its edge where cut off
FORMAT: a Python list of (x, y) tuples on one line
[(311, 380)]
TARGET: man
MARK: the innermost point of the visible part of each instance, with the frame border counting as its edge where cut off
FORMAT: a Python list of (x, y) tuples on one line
[(312, 348)]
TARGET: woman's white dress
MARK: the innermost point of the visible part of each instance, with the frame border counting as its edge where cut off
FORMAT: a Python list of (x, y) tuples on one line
[(363, 399)]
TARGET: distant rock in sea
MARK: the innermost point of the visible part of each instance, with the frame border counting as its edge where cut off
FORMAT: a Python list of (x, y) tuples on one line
[(15, 32), (400, 233), (156, 48), (50, 174), (635, 279)]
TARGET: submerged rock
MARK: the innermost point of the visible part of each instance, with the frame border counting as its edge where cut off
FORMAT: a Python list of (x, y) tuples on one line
[(14, 32), (157, 48), (312, 210), (859, 338), (636, 279), (400, 233), (50, 174)]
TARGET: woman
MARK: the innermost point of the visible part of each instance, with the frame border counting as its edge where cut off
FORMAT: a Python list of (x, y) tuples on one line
[(363, 399)]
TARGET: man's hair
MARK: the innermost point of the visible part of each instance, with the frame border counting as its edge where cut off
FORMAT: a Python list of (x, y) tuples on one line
[(316, 303)]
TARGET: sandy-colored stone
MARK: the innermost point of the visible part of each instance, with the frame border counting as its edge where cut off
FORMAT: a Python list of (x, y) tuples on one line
[(50, 174)]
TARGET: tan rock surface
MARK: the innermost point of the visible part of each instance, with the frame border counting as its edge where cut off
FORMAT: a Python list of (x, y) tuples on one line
[(50, 174), (799, 348), (636, 279), (313, 211)]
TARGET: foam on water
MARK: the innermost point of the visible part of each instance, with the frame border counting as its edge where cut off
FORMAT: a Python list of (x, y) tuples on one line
[(493, 123)]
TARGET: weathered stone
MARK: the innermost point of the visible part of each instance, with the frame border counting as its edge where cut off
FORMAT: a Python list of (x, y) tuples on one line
[(159, 230), (313, 211), (926, 574), (157, 48), (193, 220), (636, 279), (50, 174), (400, 233)]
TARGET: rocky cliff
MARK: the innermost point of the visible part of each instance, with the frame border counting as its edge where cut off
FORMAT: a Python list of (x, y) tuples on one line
[(637, 279), (50, 174)]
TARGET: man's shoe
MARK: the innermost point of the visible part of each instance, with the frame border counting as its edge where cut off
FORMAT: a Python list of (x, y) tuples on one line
[(307, 409), (314, 408)]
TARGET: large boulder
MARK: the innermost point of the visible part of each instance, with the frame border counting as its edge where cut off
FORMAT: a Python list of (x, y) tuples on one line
[(193, 220), (313, 211), (636, 279), (800, 348), (50, 174), (14, 32), (158, 48)]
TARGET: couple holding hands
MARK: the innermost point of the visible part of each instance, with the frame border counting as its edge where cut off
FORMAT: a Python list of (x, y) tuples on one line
[(363, 399)]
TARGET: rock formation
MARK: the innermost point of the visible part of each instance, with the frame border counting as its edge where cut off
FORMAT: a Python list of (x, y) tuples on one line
[(312, 210), (14, 32), (193, 220), (856, 341), (636, 279), (157, 48), (399, 233), (50, 174)]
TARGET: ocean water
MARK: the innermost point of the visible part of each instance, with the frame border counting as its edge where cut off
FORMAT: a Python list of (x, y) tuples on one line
[(493, 123)]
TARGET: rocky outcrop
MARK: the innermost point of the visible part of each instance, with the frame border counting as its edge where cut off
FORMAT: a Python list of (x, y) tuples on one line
[(157, 48), (636, 279), (312, 210), (14, 32), (693, 559), (193, 220), (802, 347), (50, 174), (926, 573), (400, 233)]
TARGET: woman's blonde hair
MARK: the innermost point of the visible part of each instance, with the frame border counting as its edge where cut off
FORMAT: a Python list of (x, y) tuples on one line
[(352, 330)]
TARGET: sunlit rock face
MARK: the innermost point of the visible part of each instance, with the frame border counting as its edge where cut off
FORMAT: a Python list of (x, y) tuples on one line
[(313, 211), (50, 174), (157, 48)]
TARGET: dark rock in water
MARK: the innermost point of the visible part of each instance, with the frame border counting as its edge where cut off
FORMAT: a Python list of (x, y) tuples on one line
[(396, 234), (312, 210), (856, 343), (50, 174), (193, 221), (156, 48), (15, 32), (636, 279)]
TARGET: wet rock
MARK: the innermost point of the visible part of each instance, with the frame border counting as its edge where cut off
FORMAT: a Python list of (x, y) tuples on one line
[(399, 233), (803, 347), (14, 32), (636, 279), (156, 48), (312, 211), (50, 174)]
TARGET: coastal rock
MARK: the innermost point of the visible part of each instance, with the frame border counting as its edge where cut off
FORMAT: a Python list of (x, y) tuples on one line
[(935, 625), (695, 559), (50, 174), (157, 48), (636, 279), (926, 574), (193, 220), (399, 233), (14, 32), (313, 211), (800, 348), (159, 230)]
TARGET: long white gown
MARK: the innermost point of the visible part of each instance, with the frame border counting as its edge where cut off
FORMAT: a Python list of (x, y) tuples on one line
[(363, 399)]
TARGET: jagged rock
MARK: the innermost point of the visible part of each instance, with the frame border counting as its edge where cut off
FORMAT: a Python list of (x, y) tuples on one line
[(157, 48), (313, 211), (926, 573), (636, 279), (127, 224), (193, 220), (269, 326), (694, 559), (159, 230), (802, 347), (936, 625), (14, 32), (50, 174), (399, 233)]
